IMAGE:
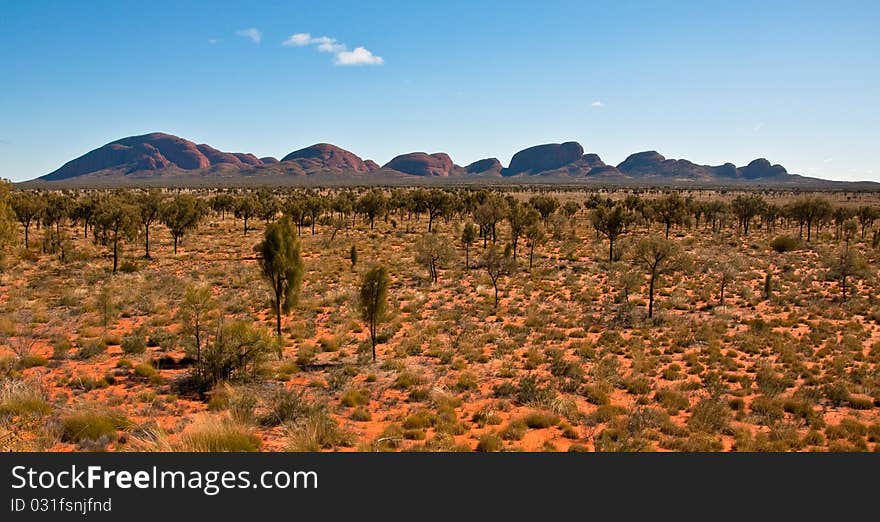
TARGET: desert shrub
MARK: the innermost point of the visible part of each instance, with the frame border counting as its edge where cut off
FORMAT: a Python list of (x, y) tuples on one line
[(145, 371), (485, 416), (91, 425), (419, 420), (317, 431), (671, 400), (134, 343), (406, 380), (530, 393), (61, 347), (709, 416), (767, 409), (91, 349), (361, 415), (836, 393), (614, 439), (284, 406), (515, 430), (596, 394), (355, 397), (785, 243), (211, 434), (88, 383), (22, 398), (489, 442), (541, 419), (237, 353)]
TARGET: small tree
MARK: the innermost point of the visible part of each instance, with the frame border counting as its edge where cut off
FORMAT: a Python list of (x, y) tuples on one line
[(520, 217), (670, 210), (282, 266), (468, 236), (7, 218), (433, 252), (655, 256), (245, 208), (182, 214), (150, 207), (353, 256), (372, 204), (373, 300), (611, 221), (116, 220), (534, 236), (28, 207), (745, 208), (497, 264), (195, 311), (849, 263)]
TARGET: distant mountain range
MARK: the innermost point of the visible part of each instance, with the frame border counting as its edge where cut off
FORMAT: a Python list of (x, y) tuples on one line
[(159, 157)]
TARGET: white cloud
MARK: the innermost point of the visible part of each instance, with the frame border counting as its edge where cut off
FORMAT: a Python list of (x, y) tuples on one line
[(597, 103), (252, 33), (827, 160), (359, 56), (340, 52), (759, 126), (212, 41), (297, 40)]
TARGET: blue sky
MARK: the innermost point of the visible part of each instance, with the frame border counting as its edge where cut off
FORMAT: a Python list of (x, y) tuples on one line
[(797, 82)]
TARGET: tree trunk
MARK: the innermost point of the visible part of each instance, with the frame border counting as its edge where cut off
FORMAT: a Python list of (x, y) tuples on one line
[(373, 336), (26, 227), (277, 315), (115, 252), (175, 245), (496, 294), (651, 297), (610, 248), (147, 234), (467, 262)]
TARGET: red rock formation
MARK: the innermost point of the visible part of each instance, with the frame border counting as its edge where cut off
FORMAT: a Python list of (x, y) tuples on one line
[(422, 164), (327, 156)]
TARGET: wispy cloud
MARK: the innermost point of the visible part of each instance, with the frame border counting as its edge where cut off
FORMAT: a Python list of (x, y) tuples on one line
[(5, 142), (252, 33), (597, 103), (759, 126), (341, 54), (212, 41), (827, 160)]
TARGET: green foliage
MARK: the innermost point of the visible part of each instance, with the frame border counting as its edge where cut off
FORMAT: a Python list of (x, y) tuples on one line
[(282, 266), (374, 300)]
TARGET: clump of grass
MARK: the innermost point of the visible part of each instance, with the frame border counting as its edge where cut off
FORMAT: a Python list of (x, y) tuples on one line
[(355, 397), (134, 343), (91, 424), (22, 398), (709, 416), (489, 442), (91, 349), (212, 434), (285, 406), (540, 419), (316, 432)]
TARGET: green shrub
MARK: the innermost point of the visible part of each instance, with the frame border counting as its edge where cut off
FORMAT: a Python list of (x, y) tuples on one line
[(22, 398), (540, 419), (316, 432), (91, 425), (709, 416), (91, 349), (217, 435), (134, 344), (785, 244), (489, 442)]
